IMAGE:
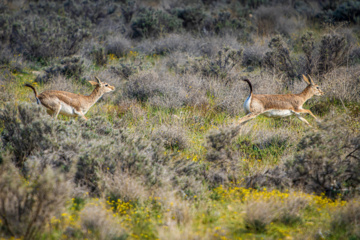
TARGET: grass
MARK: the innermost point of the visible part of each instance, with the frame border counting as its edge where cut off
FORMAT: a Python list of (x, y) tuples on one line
[(224, 212), (215, 210)]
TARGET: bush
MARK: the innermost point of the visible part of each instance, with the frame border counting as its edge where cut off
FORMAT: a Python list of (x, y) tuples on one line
[(89, 151), (153, 23), (162, 90), (345, 222), (43, 38), (118, 45), (192, 17), (172, 137), (277, 19), (27, 204), (99, 55), (333, 52), (348, 11), (325, 162), (219, 66), (68, 67), (278, 59), (99, 222)]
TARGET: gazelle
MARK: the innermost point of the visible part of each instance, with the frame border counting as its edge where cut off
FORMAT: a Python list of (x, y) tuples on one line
[(71, 104), (280, 105)]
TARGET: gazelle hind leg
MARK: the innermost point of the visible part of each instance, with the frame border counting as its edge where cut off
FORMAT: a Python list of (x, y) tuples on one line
[(248, 117), (57, 111)]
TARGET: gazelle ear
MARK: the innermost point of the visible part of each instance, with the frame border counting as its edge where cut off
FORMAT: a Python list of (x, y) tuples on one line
[(312, 82), (306, 79), (93, 83), (97, 79)]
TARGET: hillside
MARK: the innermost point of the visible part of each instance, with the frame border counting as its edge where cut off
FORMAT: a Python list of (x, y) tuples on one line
[(162, 156)]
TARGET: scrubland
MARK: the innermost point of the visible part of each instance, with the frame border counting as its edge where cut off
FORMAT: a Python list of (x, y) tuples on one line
[(162, 157)]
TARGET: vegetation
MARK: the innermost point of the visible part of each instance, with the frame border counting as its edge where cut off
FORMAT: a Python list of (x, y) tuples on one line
[(161, 157)]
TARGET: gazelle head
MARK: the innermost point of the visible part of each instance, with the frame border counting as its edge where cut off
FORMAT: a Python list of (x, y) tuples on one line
[(313, 88), (104, 87)]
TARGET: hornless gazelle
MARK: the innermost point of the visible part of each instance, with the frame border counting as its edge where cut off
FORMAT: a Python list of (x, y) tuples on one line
[(280, 105), (71, 104)]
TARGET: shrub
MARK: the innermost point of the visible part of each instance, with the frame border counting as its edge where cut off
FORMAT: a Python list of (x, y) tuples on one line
[(162, 90), (348, 11), (99, 55), (278, 59), (276, 19), (27, 204), (325, 162), (24, 131), (308, 47), (345, 222), (153, 23), (68, 67), (117, 45), (99, 222), (192, 17), (333, 52), (172, 137), (219, 66), (43, 38), (90, 150)]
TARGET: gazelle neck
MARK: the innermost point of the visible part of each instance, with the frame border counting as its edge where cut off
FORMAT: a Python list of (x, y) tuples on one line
[(95, 95), (306, 93)]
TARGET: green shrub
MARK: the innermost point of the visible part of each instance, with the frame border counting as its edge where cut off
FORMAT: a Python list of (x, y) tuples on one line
[(153, 23), (68, 67), (41, 38), (192, 17), (348, 11)]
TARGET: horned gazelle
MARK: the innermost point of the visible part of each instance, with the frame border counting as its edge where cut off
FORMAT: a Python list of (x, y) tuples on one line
[(71, 104), (280, 105)]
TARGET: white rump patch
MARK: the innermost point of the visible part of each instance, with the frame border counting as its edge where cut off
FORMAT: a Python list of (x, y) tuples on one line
[(275, 113), (247, 104)]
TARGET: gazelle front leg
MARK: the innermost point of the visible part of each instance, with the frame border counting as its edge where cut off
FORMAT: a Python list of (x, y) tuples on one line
[(309, 112), (297, 114)]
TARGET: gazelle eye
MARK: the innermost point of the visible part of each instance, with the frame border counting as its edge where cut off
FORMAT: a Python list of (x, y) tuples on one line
[(106, 85), (317, 88)]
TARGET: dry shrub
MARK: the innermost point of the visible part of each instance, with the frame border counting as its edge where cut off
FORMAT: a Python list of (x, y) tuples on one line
[(117, 45), (224, 166), (98, 221), (124, 187), (345, 221), (342, 83), (326, 161), (27, 204), (278, 59), (173, 137), (277, 19), (260, 212), (163, 90), (220, 65), (334, 50)]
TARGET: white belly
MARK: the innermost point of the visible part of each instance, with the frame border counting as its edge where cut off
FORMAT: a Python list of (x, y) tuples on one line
[(67, 110), (275, 113), (247, 105)]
